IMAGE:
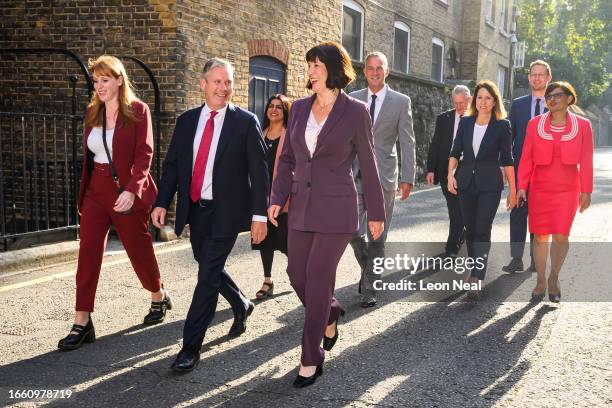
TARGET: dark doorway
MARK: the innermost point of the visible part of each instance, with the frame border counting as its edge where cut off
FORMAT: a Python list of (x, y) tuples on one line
[(266, 78)]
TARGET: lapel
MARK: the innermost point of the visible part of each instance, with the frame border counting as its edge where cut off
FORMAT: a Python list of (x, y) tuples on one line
[(334, 116), (487, 139), (226, 131), (384, 108), (450, 123), (300, 125), (192, 127)]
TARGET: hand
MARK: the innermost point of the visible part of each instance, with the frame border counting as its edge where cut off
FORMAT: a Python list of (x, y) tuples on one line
[(405, 190), (158, 216), (585, 201), (124, 202), (504, 178), (273, 212), (521, 198), (511, 200), (429, 178), (376, 228), (258, 231), (452, 185)]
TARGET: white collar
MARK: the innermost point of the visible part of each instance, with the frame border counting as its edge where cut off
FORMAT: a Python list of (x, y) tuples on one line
[(573, 121), (220, 112), (380, 95)]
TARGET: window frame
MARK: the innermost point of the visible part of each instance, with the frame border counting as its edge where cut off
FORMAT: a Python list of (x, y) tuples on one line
[(502, 87), (400, 25), (490, 12), (358, 8), (437, 41)]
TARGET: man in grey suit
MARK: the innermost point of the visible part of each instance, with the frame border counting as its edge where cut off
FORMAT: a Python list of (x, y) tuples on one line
[(391, 116)]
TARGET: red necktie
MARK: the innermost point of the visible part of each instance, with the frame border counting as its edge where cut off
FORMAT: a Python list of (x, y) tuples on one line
[(197, 179)]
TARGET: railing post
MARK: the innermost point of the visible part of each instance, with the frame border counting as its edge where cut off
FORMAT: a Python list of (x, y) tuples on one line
[(75, 176)]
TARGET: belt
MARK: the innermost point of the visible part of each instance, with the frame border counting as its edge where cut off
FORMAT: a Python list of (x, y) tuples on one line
[(203, 203)]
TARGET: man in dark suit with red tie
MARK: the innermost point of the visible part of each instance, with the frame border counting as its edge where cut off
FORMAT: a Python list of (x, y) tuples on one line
[(437, 164), (217, 163), (523, 109)]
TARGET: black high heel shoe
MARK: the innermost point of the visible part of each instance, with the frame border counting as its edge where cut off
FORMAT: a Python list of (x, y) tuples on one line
[(83, 334), (555, 297), (157, 312), (328, 342), (301, 382)]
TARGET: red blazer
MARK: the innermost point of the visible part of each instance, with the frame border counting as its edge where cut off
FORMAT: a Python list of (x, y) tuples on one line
[(576, 149), (132, 156)]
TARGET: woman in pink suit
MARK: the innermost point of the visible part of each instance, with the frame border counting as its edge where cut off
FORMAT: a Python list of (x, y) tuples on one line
[(557, 169)]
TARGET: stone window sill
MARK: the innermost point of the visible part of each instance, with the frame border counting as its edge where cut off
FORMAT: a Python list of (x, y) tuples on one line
[(443, 3), (490, 24)]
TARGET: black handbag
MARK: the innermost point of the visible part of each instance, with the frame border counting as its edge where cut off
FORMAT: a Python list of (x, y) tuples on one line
[(108, 156)]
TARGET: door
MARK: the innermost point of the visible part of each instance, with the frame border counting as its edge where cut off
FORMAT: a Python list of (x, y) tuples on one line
[(266, 78)]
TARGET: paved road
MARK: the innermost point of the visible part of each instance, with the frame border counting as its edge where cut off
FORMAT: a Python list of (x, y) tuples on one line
[(410, 351)]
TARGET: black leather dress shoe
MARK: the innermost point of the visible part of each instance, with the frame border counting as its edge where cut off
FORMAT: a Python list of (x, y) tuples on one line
[(239, 325), (368, 303), (186, 361), (301, 382), (82, 334), (515, 265), (157, 312)]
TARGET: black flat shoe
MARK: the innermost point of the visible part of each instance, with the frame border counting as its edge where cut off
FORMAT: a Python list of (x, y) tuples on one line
[(157, 312), (555, 297), (301, 382), (537, 297), (515, 265), (186, 361), (84, 334), (329, 342), (368, 303), (239, 325)]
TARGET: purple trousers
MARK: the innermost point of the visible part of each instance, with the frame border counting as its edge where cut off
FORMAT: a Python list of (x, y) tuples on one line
[(312, 262)]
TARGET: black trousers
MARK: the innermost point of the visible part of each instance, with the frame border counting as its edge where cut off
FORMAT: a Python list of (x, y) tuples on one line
[(518, 229), (478, 210), (211, 254), (456, 228)]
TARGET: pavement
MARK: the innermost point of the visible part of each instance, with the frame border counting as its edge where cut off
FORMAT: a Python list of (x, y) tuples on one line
[(415, 349)]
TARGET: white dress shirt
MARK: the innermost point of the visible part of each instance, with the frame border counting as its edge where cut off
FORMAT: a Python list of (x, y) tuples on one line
[(479, 132), (95, 144), (312, 132), (207, 190), (380, 98)]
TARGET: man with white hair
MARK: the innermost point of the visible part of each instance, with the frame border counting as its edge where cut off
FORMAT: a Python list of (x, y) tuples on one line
[(437, 164)]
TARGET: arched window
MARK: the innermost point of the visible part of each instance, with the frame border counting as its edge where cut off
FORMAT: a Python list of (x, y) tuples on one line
[(437, 59), (401, 47), (352, 29), (266, 78)]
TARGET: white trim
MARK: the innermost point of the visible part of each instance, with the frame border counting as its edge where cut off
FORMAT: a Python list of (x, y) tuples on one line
[(439, 42), (356, 7), (403, 27), (548, 136)]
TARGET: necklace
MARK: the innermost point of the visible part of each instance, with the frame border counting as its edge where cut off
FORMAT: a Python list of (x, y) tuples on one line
[(323, 106)]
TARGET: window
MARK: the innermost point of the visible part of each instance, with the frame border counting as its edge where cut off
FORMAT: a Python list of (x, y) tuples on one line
[(489, 12), (501, 80), (401, 47), (437, 59), (352, 29), (503, 16)]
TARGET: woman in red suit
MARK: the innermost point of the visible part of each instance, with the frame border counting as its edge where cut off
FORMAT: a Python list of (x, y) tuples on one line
[(124, 201), (557, 169)]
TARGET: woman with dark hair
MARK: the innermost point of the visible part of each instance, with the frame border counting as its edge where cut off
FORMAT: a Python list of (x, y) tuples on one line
[(324, 134), (274, 126), (116, 188), (557, 169), (484, 138)]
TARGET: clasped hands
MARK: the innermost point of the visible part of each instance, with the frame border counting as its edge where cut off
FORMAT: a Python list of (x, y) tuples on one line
[(511, 199)]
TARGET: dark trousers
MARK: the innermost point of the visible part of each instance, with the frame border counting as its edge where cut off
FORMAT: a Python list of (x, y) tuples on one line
[(456, 228), (312, 262), (211, 254), (478, 210), (518, 229), (96, 219)]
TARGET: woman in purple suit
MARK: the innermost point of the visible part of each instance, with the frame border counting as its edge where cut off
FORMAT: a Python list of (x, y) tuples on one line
[(324, 134)]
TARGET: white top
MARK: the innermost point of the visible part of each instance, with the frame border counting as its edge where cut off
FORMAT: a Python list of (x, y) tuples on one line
[(207, 192), (479, 132), (380, 98), (95, 144), (312, 132)]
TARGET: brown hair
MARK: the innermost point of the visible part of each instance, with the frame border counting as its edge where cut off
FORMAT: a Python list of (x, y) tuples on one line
[(542, 63), (498, 109), (108, 65), (340, 70), (567, 88)]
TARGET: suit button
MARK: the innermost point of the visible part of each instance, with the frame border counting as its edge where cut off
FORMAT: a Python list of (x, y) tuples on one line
[(473, 171), (308, 184)]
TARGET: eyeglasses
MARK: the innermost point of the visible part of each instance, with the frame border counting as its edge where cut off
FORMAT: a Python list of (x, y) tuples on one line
[(538, 75), (279, 107), (554, 96)]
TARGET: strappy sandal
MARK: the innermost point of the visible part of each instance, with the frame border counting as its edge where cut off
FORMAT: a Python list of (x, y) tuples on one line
[(157, 312), (265, 293)]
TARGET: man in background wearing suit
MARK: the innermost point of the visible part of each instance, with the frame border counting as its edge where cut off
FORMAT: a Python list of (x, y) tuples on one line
[(521, 112), (217, 163), (391, 115), (437, 164)]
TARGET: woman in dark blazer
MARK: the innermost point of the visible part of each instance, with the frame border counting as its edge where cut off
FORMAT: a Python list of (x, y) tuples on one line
[(324, 134), (484, 139), (124, 201)]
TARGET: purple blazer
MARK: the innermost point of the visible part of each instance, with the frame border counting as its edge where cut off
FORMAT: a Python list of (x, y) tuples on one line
[(323, 194)]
